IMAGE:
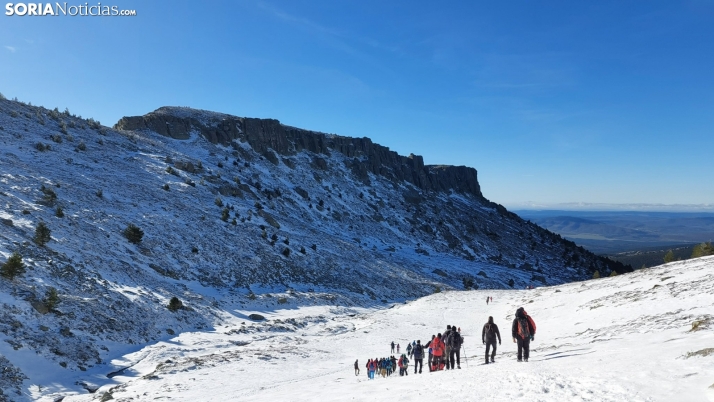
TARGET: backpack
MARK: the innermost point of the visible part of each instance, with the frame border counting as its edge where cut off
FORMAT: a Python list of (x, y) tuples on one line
[(523, 330), (455, 340), (490, 333), (418, 351)]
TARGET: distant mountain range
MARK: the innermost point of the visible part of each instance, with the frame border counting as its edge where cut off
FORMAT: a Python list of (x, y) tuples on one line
[(610, 232)]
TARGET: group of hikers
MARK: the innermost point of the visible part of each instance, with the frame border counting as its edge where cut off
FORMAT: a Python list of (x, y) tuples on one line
[(443, 351)]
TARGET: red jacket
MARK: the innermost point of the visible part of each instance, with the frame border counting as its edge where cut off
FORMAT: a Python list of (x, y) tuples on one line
[(438, 347)]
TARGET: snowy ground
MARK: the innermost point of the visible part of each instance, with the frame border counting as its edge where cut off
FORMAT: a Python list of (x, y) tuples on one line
[(626, 338)]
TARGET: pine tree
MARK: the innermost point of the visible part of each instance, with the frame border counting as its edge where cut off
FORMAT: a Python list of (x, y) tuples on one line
[(133, 233), (669, 257), (702, 250), (12, 267), (42, 234), (51, 298), (175, 304)]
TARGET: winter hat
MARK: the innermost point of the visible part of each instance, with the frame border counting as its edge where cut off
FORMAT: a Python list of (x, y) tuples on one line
[(490, 320)]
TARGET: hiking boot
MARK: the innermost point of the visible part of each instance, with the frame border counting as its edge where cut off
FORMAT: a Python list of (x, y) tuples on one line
[(525, 360), (458, 367), (520, 360), (493, 361)]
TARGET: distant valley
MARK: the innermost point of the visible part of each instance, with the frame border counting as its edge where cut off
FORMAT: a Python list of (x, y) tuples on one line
[(647, 235)]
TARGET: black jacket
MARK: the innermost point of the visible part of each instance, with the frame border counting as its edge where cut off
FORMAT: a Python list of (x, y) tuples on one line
[(490, 332)]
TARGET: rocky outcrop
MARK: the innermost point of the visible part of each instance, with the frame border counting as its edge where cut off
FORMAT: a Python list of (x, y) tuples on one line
[(266, 136)]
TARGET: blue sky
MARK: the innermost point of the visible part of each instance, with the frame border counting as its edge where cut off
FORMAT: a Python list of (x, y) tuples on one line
[(606, 102)]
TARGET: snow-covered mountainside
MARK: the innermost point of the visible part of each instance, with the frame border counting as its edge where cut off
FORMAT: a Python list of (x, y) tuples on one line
[(643, 336), (233, 211)]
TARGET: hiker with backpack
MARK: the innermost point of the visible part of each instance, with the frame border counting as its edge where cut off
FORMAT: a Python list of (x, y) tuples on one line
[(418, 354), (488, 336), (523, 332), (487, 300), (447, 349), (357, 367), (403, 365), (409, 349), (454, 342), (397, 348), (392, 346)]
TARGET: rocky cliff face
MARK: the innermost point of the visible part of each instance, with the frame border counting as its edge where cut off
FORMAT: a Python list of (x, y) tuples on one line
[(266, 136)]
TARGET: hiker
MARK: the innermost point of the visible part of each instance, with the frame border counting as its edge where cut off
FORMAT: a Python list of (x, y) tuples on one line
[(438, 351), (523, 332), (403, 365), (454, 341), (383, 364), (371, 368), (393, 360), (430, 346), (447, 350), (418, 354), (488, 336), (487, 300), (392, 346), (357, 367), (409, 349), (397, 348)]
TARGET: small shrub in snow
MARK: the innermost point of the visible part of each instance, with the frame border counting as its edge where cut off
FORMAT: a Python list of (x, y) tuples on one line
[(56, 138), (264, 234), (596, 274), (171, 170), (437, 289), (175, 304), (41, 147), (59, 212), (166, 187), (274, 237), (252, 296), (51, 299), (219, 201), (234, 222), (82, 146), (286, 241), (511, 283), (99, 193), (25, 212), (314, 247), (258, 206), (13, 113), (283, 300), (225, 214), (63, 127), (302, 250), (93, 124), (42, 234), (286, 252), (194, 249), (49, 197), (12, 267), (133, 234)]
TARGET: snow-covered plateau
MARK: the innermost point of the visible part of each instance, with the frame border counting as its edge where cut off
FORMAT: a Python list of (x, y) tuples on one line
[(642, 336)]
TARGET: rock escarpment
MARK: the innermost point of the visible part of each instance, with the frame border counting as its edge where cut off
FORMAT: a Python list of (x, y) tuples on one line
[(266, 136)]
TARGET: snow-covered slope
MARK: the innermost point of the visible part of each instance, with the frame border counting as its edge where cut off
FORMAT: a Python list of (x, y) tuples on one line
[(229, 225), (644, 336)]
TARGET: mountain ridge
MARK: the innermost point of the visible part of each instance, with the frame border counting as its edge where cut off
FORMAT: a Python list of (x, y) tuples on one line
[(224, 224)]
